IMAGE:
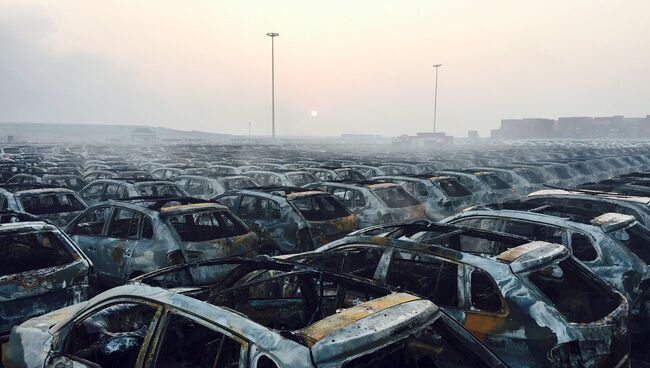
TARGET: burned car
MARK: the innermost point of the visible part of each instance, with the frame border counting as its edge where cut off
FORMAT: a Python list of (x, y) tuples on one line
[(167, 173), (41, 270), (236, 182), (367, 171), (24, 179), (441, 195), (639, 207), (375, 202), (125, 239), (521, 186), (264, 314), (52, 204), (590, 240), (105, 189), (74, 182), (301, 178), (269, 178), (199, 186), (206, 188), (291, 219), (529, 302), (612, 245), (482, 191)]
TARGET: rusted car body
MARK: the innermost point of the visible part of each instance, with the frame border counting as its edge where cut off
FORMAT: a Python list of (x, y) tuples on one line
[(482, 192), (519, 183), (441, 196), (375, 202), (251, 321), (591, 241), (497, 289), (600, 241), (41, 270), (125, 239), (291, 219), (55, 205), (639, 207)]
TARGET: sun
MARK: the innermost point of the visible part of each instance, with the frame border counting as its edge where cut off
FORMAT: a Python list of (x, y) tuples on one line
[(314, 113)]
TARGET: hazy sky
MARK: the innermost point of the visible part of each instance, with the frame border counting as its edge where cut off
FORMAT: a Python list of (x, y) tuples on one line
[(365, 66)]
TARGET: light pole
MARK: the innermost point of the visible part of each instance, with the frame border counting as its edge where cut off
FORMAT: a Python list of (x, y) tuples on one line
[(249, 132), (435, 97), (272, 35)]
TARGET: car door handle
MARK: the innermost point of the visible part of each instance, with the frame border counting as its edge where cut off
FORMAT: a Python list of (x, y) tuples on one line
[(92, 248)]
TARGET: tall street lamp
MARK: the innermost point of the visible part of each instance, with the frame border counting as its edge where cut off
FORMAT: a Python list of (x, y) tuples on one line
[(272, 35), (435, 97)]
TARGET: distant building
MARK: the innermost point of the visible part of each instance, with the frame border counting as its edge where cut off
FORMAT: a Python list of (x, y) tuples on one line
[(363, 138), (526, 128), (570, 127), (143, 135), (472, 135), (579, 127), (423, 141)]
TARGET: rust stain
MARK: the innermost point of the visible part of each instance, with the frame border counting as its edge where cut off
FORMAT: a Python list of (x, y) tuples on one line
[(303, 194), (117, 255), (482, 325), (317, 331)]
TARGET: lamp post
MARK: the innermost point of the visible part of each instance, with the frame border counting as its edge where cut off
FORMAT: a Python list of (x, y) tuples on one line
[(435, 97), (272, 35)]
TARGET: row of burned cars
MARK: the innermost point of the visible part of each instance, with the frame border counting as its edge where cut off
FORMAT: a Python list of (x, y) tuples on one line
[(220, 256)]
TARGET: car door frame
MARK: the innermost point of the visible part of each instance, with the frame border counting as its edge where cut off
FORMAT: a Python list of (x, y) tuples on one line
[(91, 249), (161, 328), (459, 313), (127, 251), (59, 342)]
